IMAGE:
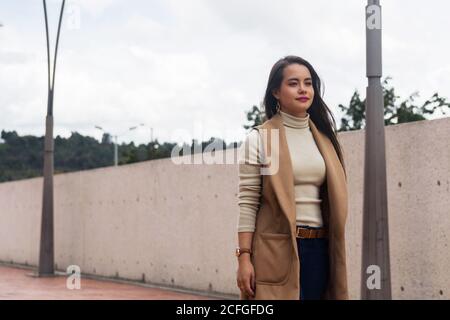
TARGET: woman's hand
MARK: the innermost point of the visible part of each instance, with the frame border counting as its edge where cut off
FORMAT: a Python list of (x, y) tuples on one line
[(246, 276)]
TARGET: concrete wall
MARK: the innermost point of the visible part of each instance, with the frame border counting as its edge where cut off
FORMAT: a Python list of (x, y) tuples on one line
[(175, 225)]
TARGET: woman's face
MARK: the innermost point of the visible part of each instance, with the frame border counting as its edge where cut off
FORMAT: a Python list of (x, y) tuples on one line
[(296, 84)]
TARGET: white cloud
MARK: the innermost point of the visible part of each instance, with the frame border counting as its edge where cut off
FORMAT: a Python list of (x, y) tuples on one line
[(93, 7), (178, 64)]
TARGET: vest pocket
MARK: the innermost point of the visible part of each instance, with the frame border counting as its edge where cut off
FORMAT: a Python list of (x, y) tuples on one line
[(272, 257)]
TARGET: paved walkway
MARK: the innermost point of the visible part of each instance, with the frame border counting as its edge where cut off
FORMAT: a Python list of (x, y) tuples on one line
[(16, 283)]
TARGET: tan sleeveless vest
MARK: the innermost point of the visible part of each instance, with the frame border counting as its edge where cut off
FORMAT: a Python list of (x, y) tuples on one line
[(275, 255)]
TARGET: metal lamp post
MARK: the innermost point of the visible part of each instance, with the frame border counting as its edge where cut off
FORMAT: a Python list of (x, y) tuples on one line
[(153, 145), (46, 252), (116, 157), (151, 130), (375, 267)]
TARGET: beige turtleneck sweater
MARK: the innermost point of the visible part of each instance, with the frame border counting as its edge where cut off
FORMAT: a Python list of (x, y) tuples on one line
[(308, 168)]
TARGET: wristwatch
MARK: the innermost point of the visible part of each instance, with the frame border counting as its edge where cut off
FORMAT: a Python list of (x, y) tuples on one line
[(240, 251)]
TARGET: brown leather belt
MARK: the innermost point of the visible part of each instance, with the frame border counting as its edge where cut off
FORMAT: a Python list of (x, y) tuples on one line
[(305, 233)]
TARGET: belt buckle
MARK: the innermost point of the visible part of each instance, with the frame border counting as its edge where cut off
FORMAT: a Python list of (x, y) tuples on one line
[(307, 236), (299, 229)]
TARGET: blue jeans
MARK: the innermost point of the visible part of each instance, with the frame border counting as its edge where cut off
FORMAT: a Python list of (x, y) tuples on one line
[(314, 260)]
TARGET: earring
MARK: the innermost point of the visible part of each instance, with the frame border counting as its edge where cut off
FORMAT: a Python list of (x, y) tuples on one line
[(278, 106)]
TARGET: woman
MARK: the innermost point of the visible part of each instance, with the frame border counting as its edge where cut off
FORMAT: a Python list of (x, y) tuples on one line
[(293, 208)]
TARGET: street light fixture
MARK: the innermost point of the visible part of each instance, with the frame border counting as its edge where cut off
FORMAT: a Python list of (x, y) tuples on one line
[(151, 130), (116, 153), (46, 249), (375, 248), (152, 143)]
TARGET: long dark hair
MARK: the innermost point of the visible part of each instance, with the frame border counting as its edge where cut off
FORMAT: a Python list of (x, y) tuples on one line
[(319, 113)]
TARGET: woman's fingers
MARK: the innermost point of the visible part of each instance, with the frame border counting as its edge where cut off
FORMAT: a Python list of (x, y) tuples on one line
[(246, 283), (253, 281), (247, 286)]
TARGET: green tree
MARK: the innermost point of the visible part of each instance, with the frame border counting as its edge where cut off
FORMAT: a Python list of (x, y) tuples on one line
[(255, 117), (21, 157), (394, 112)]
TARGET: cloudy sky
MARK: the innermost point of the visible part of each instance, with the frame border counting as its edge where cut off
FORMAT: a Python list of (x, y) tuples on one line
[(190, 69)]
